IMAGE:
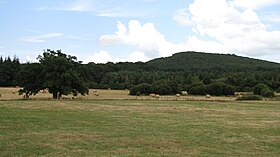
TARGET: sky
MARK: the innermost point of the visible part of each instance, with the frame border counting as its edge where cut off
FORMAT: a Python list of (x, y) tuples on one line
[(139, 30)]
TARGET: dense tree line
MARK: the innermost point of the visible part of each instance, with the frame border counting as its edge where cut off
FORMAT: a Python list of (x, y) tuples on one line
[(196, 83), (63, 74), (8, 70)]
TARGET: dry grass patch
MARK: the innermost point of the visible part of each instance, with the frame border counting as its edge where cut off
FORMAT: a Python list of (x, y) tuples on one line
[(101, 94)]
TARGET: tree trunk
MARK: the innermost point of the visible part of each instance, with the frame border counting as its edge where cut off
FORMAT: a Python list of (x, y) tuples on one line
[(55, 95)]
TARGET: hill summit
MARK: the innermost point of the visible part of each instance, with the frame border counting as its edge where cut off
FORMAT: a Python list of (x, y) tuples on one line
[(208, 61)]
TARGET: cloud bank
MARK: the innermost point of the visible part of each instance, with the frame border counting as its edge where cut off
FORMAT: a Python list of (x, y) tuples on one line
[(233, 29), (145, 37), (219, 26)]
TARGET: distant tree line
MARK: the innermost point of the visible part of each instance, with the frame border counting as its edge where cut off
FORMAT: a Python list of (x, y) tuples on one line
[(63, 74), (8, 71)]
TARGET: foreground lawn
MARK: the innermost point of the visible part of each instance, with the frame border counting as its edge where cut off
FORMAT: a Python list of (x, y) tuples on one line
[(139, 128)]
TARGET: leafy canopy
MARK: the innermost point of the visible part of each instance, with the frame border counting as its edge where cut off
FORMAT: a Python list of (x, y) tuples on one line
[(57, 72)]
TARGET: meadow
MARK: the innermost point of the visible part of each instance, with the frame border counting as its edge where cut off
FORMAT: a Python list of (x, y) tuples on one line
[(12, 94), (96, 126)]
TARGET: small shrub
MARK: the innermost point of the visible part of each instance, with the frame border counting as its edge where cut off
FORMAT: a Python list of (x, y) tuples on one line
[(262, 89), (266, 92), (250, 97), (259, 87)]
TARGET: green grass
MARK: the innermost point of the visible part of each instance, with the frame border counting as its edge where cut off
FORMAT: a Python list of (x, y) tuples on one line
[(139, 128)]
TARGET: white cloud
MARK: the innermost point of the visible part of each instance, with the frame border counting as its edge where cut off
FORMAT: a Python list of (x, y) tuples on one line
[(273, 58), (104, 57), (99, 57), (219, 26), (109, 39), (271, 18), (31, 60), (151, 43), (230, 29), (1, 47), (138, 56), (145, 37), (254, 4), (181, 17), (196, 44), (40, 38)]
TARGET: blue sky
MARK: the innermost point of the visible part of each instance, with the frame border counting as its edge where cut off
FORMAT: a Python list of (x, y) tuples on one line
[(139, 30)]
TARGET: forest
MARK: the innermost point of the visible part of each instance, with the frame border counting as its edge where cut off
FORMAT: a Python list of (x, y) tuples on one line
[(195, 72)]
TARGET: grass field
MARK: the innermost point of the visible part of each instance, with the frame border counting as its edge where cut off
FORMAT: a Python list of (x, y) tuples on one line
[(139, 128)]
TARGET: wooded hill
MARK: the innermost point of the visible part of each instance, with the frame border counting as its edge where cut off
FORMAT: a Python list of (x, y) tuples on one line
[(195, 72), (198, 61)]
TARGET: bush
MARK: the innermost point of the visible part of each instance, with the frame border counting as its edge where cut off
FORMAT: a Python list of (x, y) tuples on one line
[(262, 89), (266, 92), (216, 89), (258, 88), (229, 90), (194, 84), (141, 89), (166, 87), (163, 87), (198, 90), (250, 97)]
